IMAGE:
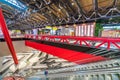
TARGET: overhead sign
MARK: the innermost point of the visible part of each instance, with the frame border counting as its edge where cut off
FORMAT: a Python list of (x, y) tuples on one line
[(48, 27), (52, 28), (15, 4)]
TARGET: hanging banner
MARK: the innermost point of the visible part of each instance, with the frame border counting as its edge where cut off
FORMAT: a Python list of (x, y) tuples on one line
[(86, 29)]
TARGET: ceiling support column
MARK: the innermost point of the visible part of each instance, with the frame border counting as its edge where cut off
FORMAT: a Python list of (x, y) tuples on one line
[(4, 29)]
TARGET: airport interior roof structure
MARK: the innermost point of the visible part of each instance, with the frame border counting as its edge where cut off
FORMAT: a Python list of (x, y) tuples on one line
[(56, 53), (41, 13)]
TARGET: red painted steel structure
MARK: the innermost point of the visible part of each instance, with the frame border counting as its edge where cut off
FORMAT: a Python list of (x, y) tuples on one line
[(3, 26), (70, 55), (86, 41)]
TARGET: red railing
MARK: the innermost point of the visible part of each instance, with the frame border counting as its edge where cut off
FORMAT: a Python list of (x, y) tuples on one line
[(96, 42)]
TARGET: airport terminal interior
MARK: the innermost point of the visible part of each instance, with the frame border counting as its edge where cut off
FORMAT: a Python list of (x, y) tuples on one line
[(59, 39)]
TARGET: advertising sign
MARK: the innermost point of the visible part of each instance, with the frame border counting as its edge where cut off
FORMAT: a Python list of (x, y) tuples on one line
[(110, 33)]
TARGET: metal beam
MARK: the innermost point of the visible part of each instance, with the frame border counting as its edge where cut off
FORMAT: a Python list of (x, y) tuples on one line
[(81, 10), (95, 2), (7, 37), (114, 3), (95, 6)]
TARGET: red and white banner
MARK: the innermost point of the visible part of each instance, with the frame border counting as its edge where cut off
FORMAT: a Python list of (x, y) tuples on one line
[(86, 29)]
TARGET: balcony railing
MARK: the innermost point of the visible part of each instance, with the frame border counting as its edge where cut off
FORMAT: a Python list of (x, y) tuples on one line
[(95, 42)]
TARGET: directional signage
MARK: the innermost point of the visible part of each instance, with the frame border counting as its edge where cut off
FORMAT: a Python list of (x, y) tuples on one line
[(15, 4)]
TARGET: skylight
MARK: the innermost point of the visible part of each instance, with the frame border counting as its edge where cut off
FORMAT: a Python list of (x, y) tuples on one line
[(15, 4)]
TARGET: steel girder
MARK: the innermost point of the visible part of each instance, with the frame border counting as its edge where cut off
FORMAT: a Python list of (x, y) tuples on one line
[(71, 19)]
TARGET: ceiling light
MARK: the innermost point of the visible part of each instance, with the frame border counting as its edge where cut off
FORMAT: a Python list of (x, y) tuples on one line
[(66, 25), (73, 3), (49, 11), (59, 9), (74, 25)]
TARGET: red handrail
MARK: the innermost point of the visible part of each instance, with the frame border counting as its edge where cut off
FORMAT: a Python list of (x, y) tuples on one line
[(80, 40)]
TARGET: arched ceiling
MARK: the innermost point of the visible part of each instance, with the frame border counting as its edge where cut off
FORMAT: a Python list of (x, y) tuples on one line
[(57, 12)]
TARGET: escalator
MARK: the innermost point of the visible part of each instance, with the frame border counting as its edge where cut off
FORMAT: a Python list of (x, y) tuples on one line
[(91, 71)]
